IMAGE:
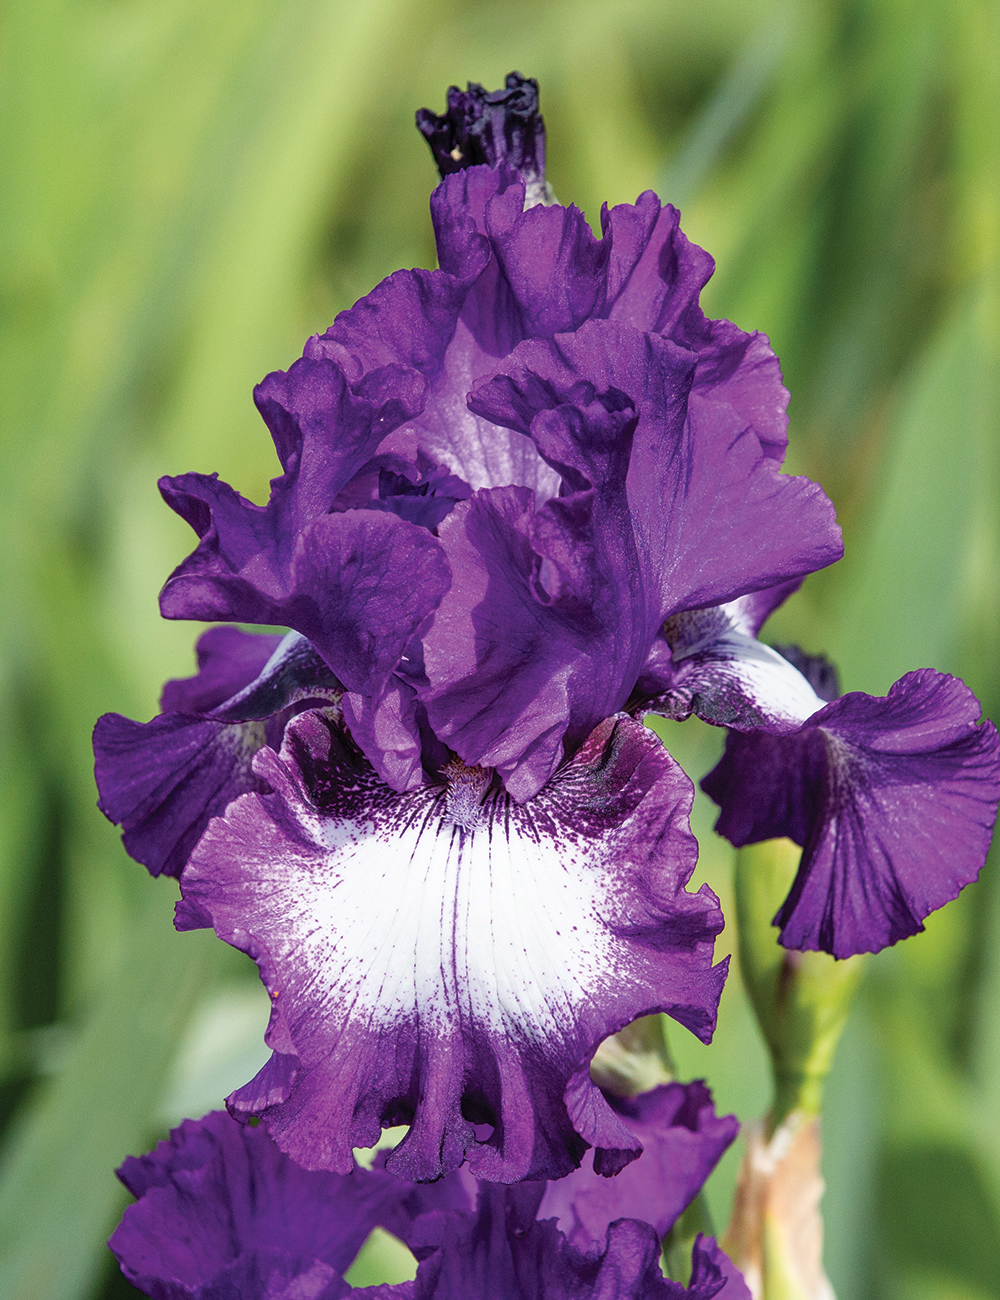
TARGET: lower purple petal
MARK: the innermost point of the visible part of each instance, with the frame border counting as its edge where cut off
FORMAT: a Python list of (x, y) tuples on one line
[(162, 781), (228, 660), (893, 799), (223, 1213)]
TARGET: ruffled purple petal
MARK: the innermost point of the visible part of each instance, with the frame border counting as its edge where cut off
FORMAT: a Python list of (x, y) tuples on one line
[(324, 432), (892, 798), (408, 988), (357, 584), (501, 1252), (709, 1264), (162, 781), (682, 1140), (554, 607), (223, 1213), (228, 660), (713, 517), (405, 325)]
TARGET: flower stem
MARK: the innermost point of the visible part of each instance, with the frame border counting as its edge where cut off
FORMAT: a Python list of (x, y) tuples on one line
[(801, 1000)]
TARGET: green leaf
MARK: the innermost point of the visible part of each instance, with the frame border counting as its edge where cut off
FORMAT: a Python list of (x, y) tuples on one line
[(58, 1195)]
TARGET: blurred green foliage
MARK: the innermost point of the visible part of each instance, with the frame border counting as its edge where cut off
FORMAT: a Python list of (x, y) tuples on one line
[(188, 191)]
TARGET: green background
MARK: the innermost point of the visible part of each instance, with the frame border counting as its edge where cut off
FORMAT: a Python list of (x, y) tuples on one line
[(191, 187)]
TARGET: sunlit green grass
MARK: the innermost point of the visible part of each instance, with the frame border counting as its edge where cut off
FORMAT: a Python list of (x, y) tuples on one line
[(189, 190)]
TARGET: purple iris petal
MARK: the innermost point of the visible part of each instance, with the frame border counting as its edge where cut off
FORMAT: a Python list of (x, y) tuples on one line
[(554, 607), (502, 1252), (223, 1213), (162, 781), (357, 584), (544, 323), (228, 660), (892, 798), (682, 1140), (713, 516), (447, 958), (709, 1265)]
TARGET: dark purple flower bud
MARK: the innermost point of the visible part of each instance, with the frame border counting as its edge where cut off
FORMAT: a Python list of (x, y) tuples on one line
[(449, 959), (493, 127)]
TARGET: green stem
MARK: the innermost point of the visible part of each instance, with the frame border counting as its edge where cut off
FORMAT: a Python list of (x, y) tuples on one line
[(801, 999)]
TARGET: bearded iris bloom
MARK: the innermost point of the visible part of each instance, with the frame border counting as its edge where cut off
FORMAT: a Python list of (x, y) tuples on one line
[(425, 812), (222, 1213)]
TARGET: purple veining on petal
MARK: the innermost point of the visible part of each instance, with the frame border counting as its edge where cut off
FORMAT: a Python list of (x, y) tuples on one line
[(222, 1212), (407, 984), (892, 798), (162, 781), (682, 1140)]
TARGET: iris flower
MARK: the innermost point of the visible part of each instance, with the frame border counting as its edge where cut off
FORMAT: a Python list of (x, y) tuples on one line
[(426, 812)]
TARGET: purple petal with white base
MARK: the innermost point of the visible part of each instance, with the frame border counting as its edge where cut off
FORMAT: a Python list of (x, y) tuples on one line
[(682, 1140), (163, 781), (407, 984), (892, 798), (718, 670)]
